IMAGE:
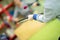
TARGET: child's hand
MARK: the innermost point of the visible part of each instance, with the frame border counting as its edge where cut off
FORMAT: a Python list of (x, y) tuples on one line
[(35, 4), (15, 19), (30, 17)]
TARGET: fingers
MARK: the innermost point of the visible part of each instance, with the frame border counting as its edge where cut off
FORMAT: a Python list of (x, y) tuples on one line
[(30, 17)]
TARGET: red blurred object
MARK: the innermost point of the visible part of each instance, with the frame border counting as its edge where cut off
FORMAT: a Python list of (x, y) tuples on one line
[(25, 7), (0, 5), (2, 25), (4, 10)]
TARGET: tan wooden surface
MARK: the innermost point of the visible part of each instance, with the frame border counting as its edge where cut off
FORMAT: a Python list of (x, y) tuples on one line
[(27, 29)]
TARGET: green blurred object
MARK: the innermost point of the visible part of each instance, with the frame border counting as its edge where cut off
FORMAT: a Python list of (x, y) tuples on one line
[(49, 32)]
